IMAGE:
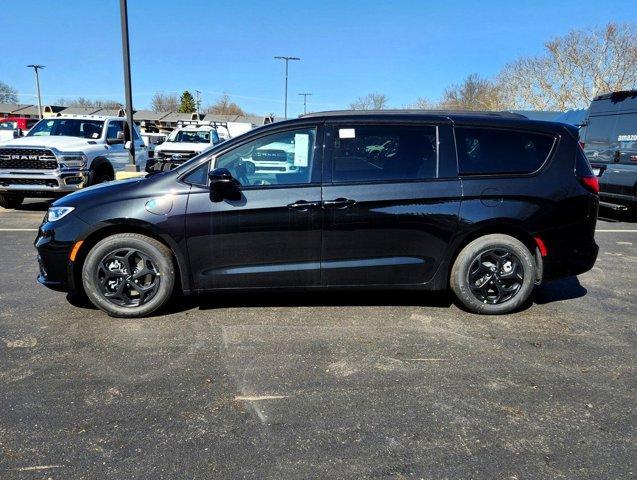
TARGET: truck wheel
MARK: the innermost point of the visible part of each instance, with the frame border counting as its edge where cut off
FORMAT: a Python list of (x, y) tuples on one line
[(494, 274), (11, 201), (129, 275), (101, 176)]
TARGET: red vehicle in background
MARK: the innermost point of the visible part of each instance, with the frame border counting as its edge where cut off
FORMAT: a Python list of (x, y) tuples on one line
[(13, 127)]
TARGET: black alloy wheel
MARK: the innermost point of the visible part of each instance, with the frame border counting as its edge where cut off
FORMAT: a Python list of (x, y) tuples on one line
[(127, 277), (495, 276)]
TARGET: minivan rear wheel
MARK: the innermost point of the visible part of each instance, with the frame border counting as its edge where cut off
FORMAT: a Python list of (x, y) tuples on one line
[(129, 275), (493, 274)]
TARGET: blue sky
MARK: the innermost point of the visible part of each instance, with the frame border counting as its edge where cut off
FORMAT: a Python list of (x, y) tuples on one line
[(405, 49)]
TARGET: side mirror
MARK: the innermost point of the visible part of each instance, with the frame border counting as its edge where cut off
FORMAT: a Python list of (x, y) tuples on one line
[(223, 185), (116, 141)]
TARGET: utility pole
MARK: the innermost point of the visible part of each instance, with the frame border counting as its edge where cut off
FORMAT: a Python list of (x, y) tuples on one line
[(35, 68), (123, 10), (287, 60), (305, 95)]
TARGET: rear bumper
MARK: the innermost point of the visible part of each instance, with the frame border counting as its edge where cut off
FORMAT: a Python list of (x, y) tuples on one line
[(574, 261)]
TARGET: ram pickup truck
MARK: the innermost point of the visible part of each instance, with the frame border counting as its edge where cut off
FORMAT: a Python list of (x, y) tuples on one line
[(64, 154), (186, 142)]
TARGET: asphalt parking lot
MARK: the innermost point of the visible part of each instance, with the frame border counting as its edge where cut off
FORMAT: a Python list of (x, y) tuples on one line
[(322, 385)]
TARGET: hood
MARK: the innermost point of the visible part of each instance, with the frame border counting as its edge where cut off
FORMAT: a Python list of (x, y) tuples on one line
[(103, 192), (61, 143), (183, 147)]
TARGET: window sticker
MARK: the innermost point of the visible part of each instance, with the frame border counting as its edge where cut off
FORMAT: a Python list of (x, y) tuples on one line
[(301, 147), (346, 133)]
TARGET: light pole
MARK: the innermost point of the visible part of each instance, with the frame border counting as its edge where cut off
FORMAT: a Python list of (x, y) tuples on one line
[(287, 60), (123, 10), (35, 68), (305, 95)]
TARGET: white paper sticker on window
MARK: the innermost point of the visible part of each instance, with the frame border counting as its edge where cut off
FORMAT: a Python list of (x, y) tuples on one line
[(301, 147), (346, 133)]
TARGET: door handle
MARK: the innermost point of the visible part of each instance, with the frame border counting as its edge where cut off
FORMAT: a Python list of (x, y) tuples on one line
[(339, 203), (303, 206)]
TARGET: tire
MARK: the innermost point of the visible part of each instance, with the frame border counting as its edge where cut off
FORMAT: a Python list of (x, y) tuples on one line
[(115, 262), (11, 201), (485, 276), (101, 176)]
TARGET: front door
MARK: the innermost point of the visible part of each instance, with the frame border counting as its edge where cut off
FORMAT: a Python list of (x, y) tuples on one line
[(270, 234), (117, 154), (390, 202)]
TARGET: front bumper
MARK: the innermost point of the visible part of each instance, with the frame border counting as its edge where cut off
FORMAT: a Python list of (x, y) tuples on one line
[(54, 243), (43, 181)]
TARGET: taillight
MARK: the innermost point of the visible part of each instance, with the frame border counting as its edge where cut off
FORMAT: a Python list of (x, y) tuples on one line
[(582, 145), (584, 172), (590, 183)]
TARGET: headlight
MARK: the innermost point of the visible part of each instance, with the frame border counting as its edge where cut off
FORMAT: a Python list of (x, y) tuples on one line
[(72, 160), (55, 213)]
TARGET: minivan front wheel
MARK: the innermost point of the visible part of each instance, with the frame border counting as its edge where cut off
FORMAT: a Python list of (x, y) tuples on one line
[(129, 275), (493, 274)]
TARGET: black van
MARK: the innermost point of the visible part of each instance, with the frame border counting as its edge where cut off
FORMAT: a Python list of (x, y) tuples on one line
[(488, 205), (609, 139)]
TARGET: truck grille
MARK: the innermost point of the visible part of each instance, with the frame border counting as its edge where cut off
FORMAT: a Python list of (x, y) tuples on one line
[(27, 158), (5, 182), (168, 154)]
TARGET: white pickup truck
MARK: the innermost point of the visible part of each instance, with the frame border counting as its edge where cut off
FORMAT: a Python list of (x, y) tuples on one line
[(186, 142), (63, 154)]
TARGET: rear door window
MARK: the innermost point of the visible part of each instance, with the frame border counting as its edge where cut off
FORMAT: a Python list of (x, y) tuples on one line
[(598, 141), (484, 151), (365, 153)]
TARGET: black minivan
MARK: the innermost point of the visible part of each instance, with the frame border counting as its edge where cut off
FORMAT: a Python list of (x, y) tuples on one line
[(486, 204), (609, 139)]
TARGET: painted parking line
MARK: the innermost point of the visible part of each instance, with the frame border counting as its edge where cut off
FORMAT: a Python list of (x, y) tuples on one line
[(18, 229), (616, 231)]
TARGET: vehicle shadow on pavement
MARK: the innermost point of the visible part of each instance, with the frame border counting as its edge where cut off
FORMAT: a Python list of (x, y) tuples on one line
[(558, 290), (35, 206), (309, 299)]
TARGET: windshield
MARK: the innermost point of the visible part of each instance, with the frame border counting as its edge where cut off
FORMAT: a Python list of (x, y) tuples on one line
[(185, 136), (69, 127)]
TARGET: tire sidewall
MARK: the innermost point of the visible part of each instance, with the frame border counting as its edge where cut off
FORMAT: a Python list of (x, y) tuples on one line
[(148, 246), (460, 285)]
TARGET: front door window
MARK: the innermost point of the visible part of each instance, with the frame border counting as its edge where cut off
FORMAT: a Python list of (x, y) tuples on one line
[(284, 158)]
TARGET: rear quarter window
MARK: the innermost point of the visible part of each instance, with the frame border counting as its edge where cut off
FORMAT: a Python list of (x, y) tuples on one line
[(483, 151)]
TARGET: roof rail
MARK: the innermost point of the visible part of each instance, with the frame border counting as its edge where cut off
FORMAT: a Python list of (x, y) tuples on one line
[(444, 113)]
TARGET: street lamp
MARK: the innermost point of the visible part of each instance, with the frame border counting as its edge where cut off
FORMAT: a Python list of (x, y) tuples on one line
[(305, 95), (287, 60), (35, 68)]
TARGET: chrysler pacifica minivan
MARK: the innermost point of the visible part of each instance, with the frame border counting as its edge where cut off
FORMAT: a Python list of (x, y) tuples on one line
[(487, 205)]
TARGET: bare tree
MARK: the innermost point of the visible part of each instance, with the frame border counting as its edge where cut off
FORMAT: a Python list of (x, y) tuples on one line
[(88, 103), (8, 94), (224, 106), (573, 70), (474, 93), (371, 101), (162, 102), (422, 103)]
